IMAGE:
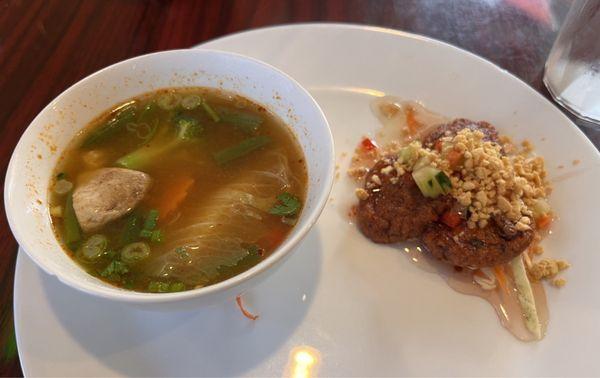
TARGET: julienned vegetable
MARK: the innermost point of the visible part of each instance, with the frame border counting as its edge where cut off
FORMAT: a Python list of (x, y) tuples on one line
[(432, 182), (188, 128), (122, 116), (242, 149), (525, 296)]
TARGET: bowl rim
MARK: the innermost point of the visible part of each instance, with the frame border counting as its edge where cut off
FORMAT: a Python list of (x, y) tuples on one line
[(323, 190)]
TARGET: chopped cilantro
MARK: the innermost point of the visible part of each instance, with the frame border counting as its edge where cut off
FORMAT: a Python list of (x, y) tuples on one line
[(151, 219), (165, 287), (114, 270), (287, 205)]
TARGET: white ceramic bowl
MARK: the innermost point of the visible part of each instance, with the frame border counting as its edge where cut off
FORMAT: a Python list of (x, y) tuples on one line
[(33, 160)]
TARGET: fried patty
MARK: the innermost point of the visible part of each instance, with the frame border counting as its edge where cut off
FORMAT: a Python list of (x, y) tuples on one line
[(397, 212), (451, 129), (497, 243)]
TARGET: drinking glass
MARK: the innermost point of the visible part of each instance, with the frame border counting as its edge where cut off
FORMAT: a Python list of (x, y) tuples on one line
[(572, 72)]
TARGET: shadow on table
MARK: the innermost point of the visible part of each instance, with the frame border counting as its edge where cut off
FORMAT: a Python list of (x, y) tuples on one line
[(209, 341)]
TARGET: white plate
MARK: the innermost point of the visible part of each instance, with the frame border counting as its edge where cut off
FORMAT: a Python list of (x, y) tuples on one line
[(363, 307)]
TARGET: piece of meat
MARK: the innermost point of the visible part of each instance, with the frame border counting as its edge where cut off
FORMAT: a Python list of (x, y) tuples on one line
[(397, 212), (451, 129), (108, 194), (497, 243)]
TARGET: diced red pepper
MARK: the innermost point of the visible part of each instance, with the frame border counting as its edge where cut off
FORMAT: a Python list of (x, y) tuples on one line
[(451, 219), (368, 145)]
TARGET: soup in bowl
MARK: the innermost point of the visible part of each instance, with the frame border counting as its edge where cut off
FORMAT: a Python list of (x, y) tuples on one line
[(176, 175)]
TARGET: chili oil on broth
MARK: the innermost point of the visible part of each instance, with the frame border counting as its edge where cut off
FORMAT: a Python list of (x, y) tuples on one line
[(223, 225)]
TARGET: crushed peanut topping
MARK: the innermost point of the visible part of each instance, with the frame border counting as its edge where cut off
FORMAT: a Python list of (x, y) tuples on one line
[(376, 179), (361, 194), (485, 180), (547, 268)]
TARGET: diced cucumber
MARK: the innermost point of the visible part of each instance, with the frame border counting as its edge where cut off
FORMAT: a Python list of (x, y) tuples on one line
[(421, 163), (444, 182), (431, 181), (425, 179)]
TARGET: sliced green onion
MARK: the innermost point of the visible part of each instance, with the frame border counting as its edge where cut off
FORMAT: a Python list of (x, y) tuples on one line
[(146, 234), (93, 248), (71, 229), (168, 101), (211, 113), (191, 102), (134, 252), (242, 149), (123, 115)]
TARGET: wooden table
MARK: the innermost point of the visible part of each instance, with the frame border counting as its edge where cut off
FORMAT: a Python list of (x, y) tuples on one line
[(47, 45)]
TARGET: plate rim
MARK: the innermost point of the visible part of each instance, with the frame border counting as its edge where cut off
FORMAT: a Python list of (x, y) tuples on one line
[(413, 36), (594, 151)]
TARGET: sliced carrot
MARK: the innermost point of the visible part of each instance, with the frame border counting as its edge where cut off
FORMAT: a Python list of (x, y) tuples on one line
[(544, 221), (411, 121), (501, 277), (454, 158), (451, 219), (171, 199), (246, 313)]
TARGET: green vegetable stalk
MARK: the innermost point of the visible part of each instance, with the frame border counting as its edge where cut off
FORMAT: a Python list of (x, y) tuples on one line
[(525, 296), (188, 128)]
